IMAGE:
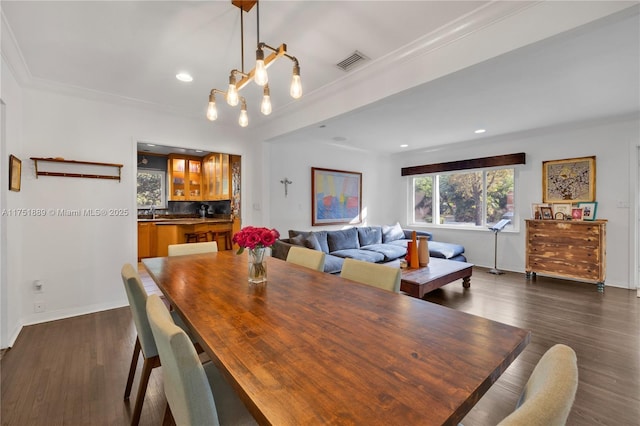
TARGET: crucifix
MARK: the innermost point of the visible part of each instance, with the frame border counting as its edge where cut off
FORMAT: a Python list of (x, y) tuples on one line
[(286, 183)]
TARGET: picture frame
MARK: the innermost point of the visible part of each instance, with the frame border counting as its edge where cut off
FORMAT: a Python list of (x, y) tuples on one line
[(15, 173), (546, 213), (535, 210), (589, 210), (571, 180), (577, 213), (564, 208), (336, 196)]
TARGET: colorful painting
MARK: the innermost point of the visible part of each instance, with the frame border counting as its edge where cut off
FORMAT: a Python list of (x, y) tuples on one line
[(572, 180), (336, 196)]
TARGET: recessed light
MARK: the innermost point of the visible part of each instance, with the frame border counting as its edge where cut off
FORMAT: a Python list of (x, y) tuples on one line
[(477, 132), (404, 145), (199, 150), (183, 76), (150, 144)]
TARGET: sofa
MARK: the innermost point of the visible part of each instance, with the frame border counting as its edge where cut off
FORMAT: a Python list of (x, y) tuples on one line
[(378, 244)]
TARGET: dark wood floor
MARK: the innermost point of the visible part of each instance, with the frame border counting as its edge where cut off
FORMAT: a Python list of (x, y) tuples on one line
[(73, 371)]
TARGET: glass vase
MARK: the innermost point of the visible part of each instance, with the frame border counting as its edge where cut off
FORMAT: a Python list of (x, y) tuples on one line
[(257, 266)]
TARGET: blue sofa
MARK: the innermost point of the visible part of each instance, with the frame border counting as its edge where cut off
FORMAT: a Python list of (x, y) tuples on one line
[(378, 244)]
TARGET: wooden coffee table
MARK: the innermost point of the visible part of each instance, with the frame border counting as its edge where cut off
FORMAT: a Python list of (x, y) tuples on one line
[(418, 282)]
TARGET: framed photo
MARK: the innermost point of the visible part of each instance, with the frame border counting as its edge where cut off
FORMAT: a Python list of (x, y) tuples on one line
[(15, 173), (535, 210), (564, 208), (588, 210), (577, 213), (569, 181), (546, 213), (336, 196)]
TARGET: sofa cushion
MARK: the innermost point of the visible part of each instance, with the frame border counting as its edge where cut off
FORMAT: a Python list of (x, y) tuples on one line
[(444, 250), (343, 239), (358, 254), (392, 233), (321, 236), (390, 251), (368, 235), (333, 264), (309, 241)]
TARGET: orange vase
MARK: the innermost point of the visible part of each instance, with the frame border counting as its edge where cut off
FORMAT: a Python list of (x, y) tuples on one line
[(415, 262)]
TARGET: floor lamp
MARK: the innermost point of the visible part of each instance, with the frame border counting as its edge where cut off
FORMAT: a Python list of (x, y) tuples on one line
[(497, 228)]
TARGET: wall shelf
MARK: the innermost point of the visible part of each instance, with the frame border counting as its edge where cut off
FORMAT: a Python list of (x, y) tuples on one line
[(78, 169)]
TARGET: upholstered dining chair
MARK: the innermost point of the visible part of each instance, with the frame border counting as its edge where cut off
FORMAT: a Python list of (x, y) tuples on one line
[(197, 394), (381, 276), (548, 396), (137, 297), (192, 248), (313, 259)]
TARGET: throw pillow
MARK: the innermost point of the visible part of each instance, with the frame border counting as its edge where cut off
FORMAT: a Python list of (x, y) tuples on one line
[(309, 241), (392, 233), (369, 235)]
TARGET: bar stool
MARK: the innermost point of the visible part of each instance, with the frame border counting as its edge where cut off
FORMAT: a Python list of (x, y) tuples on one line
[(225, 234), (196, 237)]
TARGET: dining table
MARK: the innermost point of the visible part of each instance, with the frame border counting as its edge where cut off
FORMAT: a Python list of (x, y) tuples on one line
[(310, 348)]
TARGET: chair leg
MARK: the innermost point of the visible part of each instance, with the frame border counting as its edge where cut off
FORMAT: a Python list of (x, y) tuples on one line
[(132, 369), (149, 364)]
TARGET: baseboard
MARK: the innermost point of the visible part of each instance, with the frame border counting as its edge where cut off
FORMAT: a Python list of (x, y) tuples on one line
[(74, 312)]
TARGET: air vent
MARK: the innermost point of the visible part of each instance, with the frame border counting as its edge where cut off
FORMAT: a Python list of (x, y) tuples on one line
[(356, 59)]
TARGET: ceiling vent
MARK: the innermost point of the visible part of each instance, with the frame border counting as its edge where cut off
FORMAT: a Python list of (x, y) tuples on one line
[(356, 59)]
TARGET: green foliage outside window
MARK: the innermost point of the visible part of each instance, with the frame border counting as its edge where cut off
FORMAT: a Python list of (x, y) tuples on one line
[(150, 188)]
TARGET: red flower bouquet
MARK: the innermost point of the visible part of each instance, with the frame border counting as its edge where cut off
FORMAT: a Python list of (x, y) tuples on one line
[(252, 238)]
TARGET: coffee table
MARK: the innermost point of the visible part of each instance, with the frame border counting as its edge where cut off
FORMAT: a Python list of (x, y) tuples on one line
[(418, 282)]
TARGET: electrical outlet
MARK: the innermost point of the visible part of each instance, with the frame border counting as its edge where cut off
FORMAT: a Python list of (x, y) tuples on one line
[(38, 307)]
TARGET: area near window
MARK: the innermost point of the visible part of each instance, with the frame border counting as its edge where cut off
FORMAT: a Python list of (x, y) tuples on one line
[(477, 198), (151, 190)]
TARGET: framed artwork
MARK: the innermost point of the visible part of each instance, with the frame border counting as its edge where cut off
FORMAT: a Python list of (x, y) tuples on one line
[(546, 213), (569, 181), (336, 196), (577, 213), (15, 173), (588, 210), (564, 208), (535, 210)]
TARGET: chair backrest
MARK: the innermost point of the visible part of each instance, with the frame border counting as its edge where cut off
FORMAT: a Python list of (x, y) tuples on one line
[(548, 396), (185, 381), (385, 277), (302, 256), (192, 248), (137, 301)]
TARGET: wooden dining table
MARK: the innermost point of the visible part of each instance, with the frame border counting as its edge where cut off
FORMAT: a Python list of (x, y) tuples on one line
[(309, 348)]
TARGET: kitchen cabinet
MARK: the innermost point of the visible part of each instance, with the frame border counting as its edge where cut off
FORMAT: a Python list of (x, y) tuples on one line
[(146, 240), (173, 232), (185, 178), (570, 249), (217, 178)]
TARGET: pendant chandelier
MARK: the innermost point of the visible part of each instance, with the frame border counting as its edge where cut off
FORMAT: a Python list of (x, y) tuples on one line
[(239, 78)]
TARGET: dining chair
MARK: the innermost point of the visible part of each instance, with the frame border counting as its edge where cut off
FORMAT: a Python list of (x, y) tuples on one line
[(137, 297), (196, 393), (192, 248), (302, 256), (548, 396), (381, 276)]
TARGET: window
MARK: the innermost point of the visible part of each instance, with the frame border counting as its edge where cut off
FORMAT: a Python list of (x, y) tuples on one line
[(151, 189), (471, 198)]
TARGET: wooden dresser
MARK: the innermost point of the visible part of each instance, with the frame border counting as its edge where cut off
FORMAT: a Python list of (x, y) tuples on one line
[(571, 249)]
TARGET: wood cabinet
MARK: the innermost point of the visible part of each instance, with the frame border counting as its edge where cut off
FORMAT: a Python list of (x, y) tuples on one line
[(168, 234), (217, 181), (185, 178), (570, 249), (146, 240)]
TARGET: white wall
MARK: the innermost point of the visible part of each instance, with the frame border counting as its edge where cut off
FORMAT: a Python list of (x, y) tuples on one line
[(79, 258), (294, 160), (609, 141), (10, 226)]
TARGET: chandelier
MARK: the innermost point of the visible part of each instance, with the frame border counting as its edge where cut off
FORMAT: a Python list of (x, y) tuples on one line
[(239, 78)]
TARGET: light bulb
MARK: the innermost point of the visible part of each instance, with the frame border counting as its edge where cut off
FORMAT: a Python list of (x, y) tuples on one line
[(260, 75), (296, 84), (265, 107), (232, 93), (243, 121), (212, 111)]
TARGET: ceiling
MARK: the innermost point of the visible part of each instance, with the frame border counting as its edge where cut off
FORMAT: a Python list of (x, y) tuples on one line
[(130, 51)]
